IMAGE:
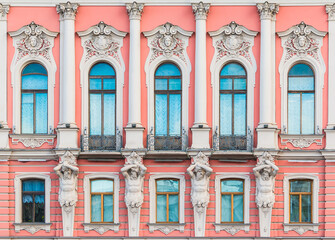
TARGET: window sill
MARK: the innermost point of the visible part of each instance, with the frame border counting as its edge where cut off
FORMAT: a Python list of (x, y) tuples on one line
[(166, 228), (33, 140), (233, 155), (301, 140), (167, 155), (232, 228), (32, 227), (301, 228), (101, 228)]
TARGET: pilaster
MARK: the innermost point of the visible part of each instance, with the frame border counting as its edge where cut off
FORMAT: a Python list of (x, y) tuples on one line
[(4, 130), (134, 129), (200, 129), (330, 130), (267, 128), (67, 129)]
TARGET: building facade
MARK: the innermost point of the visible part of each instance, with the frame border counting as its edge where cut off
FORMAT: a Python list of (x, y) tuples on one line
[(167, 119)]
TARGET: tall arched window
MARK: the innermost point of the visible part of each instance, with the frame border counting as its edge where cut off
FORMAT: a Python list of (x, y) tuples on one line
[(233, 107), (301, 100), (102, 107), (168, 101), (34, 99)]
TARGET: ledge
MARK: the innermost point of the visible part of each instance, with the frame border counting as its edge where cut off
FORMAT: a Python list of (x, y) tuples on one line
[(301, 228), (33, 140), (166, 228), (101, 155), (301, 140), (167, 156), (32, 227), (235, 156), (232, 228), (101, 228)]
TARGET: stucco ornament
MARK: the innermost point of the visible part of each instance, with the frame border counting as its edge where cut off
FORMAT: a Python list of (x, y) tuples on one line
[(200, 10), (33, 41), (102, 41), (233, 40), (265, 173), (67, 10), (330, 9), (267, 10), (67, 171), (200, 172), (4, 9), (134, 172), (135, 10), (302, 40), (168, 40)]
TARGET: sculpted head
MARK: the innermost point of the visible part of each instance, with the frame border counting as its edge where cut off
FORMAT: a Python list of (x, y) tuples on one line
[(199, 173), (266, 172), (133, 173), (67, 172)]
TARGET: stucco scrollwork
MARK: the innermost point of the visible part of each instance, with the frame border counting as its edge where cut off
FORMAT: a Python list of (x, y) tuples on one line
[(67, 10), (135, 10), (330, 9), (267, 10), (33, 141), (33, 40), (4, 9), (200, 10)]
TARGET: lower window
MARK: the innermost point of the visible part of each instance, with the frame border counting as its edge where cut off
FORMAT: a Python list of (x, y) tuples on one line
[(300, 201), (102, 201), (167, 199), (232, 209), (33, 201)]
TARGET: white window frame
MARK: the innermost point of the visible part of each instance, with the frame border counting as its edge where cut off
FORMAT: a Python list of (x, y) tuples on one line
[(166, 228), (154, 60), (247, 60), (31, 227), (232, 228), (115, 60), (101, 228), (19, 62), (298, 227)]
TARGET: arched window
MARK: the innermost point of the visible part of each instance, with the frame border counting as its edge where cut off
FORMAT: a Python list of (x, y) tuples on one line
[(34, 99), (168, 102), (102, 107), (233, 107), (300, 100)]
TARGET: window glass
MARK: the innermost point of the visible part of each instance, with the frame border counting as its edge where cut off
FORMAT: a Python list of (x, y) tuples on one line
[(167, 200), (300, 201), (33, 201), (232, 199), (34, 99)]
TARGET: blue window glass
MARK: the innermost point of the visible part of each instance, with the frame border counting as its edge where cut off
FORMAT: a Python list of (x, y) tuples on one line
[(33, 200), (233, 100), (301, 100), (102, 102), (167, 200), (168, 100), (232, 194), (102, 200), (300, 201), (34, 99)]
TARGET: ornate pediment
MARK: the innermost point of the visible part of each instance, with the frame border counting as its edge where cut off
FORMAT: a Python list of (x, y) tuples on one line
[(168, 40), (101, 41), (33, 41), (301, 41), (233, 40)]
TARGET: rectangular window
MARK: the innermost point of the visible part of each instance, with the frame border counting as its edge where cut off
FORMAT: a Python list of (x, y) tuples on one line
[(33, 201), (300, 201), (167, 201), (232, 201), (102, 201)]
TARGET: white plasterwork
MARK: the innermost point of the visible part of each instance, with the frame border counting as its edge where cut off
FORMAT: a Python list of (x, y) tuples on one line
[(167, 43), (302, 44), (301, 228), (31, 227), (102, 43), (232, 228), (33, 44), (233, 43), (103, 227), (32, 141), (166, 227), (301, 141)]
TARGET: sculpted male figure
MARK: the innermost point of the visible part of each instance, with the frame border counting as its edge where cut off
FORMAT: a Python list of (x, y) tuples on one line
[(134, 171), (265, 173)]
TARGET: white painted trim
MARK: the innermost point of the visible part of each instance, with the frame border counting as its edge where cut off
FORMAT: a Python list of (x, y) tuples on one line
[(152, 201), (318, 68), (18, 64), (250, 68), (151, 66), (315, 202), (246, 224), (87, 64), (87, 202), (18, 200)]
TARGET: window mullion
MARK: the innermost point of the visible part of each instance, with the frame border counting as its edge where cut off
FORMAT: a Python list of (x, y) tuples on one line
[(167, 207), (232, 207), (102, 207)]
